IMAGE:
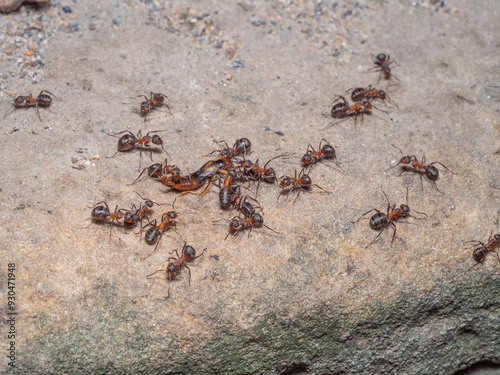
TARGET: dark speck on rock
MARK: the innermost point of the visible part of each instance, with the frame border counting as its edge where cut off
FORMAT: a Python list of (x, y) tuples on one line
[(268, 129), (15, 129), (104, 130), (116, 21), (347, 13), (238, 64), (335, 54), (66, 9), (34, 240), (279, 133)]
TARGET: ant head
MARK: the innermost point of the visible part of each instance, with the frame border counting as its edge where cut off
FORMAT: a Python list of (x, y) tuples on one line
[(246, 164), (242, 145), (257, 220), (148, 203), (145, 107), (189, 251), (100, 213), (497, 237), (171, 214), (367, 105), (157, 140), (478, 254), (306, 160), (405, 160), (19, 101), (234, 225), (405, 208), (154, 170), (225, 154), (382, 94), (432, 172), (172, 268), (285, 182), (129, 220), (381, 57), (328, 150)]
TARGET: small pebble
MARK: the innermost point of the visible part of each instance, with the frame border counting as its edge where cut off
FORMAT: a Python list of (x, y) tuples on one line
[(238, 64), (74, 160), (116, 21), (92, 26), (66, 9), (87, 162), (34, 240), (104, 130), (279, 133), (15, 129)]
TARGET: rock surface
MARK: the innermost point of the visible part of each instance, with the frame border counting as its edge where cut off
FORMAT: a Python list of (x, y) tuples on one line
[(310, 299)]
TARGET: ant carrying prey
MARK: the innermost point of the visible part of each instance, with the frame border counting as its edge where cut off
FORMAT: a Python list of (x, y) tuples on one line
[(42, 100), (382, 221), (411, 163)]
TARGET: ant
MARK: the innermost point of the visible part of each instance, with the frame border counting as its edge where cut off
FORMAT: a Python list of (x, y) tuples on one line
[(382, 221), (343, 110), (370, 93), (312, 156), (382, 62), (129, 141), (160, 171), (155, 233), (155, 100), (42, 100), (412, 163), (300, 182), (136, 215), (479, 254), (188, 254), (101, 211), (239, 223), (241, 146)]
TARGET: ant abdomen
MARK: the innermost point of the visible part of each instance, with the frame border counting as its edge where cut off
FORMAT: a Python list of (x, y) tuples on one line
[(432, 172), (378, 220)]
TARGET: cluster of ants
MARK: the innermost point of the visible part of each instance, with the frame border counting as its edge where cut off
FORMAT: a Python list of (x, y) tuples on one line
[(230, 170)]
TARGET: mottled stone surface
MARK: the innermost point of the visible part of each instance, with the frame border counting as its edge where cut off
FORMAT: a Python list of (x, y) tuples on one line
[(312, 298)]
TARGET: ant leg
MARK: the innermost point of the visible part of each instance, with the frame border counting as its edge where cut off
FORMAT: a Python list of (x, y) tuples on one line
[(378, 235), (37, 111), (202, 252), (366, 213), (48, 92), (394, 234), (154, 273), (297, 197), (326, 191), (185, 265), (264, 225), (156, 247), (434, 182)]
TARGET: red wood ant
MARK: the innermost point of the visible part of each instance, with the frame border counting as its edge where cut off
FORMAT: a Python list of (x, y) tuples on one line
[(240, 223), (101, 212), (42, 100), (343, 110), (300, 183), (155, 100), (412, 163), (360, 94), (382, 221), (155, 233), (479, 254), (129, 141), (158, 169), (382, 62), (312, 156), (136, 215), (241, 146), (188, 254)]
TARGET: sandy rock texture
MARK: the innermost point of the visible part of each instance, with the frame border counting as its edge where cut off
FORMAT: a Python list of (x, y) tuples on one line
[(309, 299)]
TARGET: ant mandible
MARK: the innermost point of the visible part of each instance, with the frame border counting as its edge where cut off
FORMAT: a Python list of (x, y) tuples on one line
[(382, 221), (155, 100), (479, 254), (324, 152), (188, 254), (42, 100), (300, 183), (411, 162)]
